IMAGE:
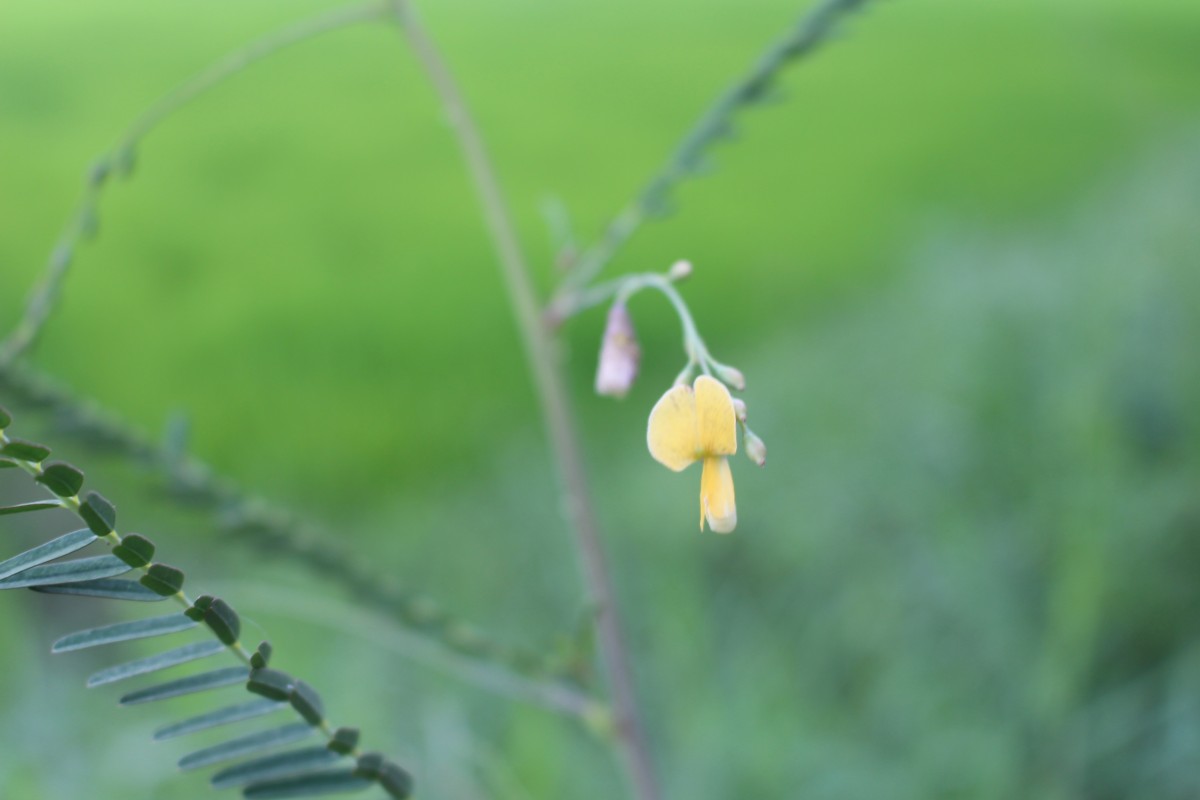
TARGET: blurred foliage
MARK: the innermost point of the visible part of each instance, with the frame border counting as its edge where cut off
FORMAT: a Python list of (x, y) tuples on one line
[(965, 572)]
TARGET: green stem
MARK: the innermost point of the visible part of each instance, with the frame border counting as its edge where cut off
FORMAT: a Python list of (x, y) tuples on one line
[(715, 123), (42, 301), (382, 631), (276, 531), (555, 402)]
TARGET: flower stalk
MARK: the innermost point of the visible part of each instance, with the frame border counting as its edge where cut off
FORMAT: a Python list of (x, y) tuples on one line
[(621, 290)]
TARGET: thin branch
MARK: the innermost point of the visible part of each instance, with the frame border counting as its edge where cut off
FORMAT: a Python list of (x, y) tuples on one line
[(82, 222), (380, 630), (273, 530), (552, 392), (755, 86)]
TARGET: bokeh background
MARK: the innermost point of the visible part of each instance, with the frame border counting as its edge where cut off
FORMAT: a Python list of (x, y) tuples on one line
[(958, 265)]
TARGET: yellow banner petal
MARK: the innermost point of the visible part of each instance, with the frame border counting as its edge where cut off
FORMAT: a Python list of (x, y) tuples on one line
[(717, 422), (671, 434)]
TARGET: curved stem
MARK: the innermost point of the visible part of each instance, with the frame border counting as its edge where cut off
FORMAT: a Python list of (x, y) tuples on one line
[(621, 289), (81, 222), (553, 396), (239, 60), (691, 335)]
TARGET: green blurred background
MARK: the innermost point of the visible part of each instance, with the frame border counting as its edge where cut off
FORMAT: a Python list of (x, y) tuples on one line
[(958, 266)]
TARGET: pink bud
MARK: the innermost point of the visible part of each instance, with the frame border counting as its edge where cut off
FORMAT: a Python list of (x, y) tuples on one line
[(739, 408), (619, 354)]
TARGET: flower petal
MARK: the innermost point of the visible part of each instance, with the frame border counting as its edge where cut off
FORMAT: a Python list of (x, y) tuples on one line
[(716, 496), (717, 422), (671, 434)]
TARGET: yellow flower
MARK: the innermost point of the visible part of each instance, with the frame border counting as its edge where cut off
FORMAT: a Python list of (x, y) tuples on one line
[(697, 423)]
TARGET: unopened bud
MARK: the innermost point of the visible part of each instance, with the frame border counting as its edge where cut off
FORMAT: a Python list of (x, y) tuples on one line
[(756, 449), (99, 172), (599, 719), (680, 270), (61, 257), (89, 224), (731, 375), (739, 408), (126, 161), (619, 354)]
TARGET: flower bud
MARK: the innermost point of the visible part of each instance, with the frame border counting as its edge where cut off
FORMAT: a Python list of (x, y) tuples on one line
[(99, 172), (739, 408), (619, 354), (756, 449), (731, 375), (599, 719), (126, 161), (680, 270)]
